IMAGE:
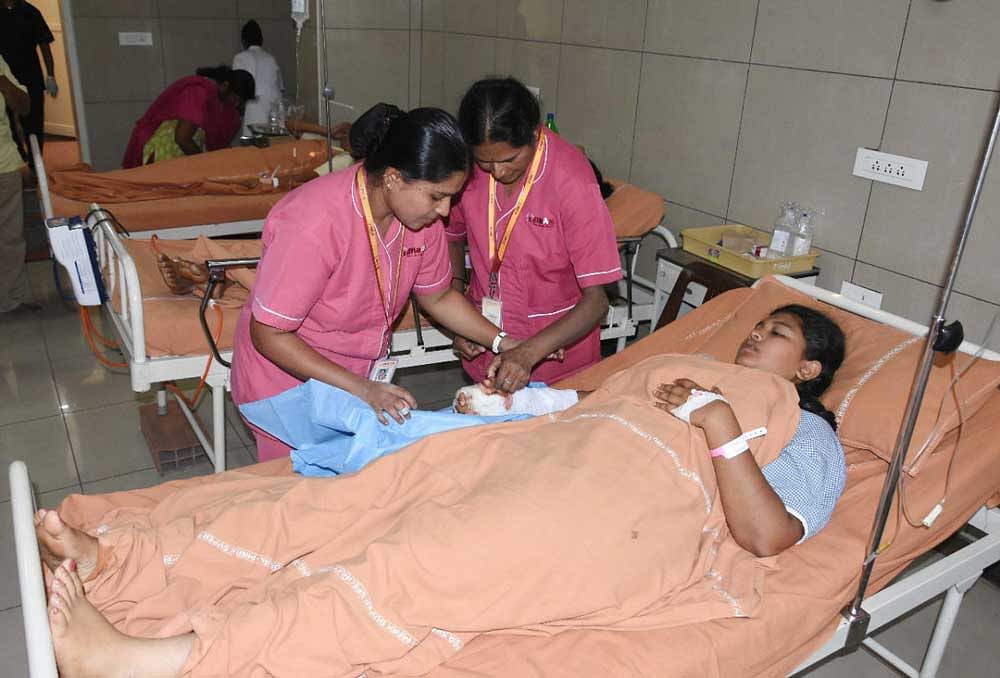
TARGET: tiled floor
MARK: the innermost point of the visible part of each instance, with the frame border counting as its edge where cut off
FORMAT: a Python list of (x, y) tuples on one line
[(76, 424)]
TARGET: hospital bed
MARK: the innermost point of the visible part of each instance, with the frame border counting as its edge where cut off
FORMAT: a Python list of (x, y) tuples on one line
[(799, 622), (224, 193)]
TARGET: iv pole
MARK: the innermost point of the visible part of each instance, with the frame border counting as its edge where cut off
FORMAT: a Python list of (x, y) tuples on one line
[(327, 93), (940, 338)]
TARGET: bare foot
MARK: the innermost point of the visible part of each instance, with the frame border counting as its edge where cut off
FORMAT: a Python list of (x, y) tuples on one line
[(171, 270), (87, 645), (58, 541)]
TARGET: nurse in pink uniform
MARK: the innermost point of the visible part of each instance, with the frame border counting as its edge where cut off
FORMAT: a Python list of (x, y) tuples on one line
[(540, 240), (341, 256)]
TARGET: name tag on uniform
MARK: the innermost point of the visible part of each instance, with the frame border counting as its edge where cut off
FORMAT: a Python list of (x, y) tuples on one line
[(493, 310), (383, 370)]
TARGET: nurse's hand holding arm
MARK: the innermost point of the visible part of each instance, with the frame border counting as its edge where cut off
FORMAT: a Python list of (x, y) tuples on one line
[(511, 370), (450, 308), (289, 352)]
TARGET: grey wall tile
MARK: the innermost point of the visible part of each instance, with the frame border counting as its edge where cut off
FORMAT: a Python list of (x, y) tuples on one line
[(452, 63), (368, 14), (849, 36), (686, 129), (267, 9), (416, 39), (461, 16), (307, 77), (676, 218), (903, 296), (953, 43), (209, 9), (432, 68), (598, 89), (536, 20), (718, 29), (799, 135), (912, 231), (618, 25), (191, 43), (432, 15), (534, 63), (833, 270), (109, 125), (368, 66), (118, 8), (138, 71)]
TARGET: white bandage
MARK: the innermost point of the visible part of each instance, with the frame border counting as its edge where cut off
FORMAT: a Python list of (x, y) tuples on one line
[(533, 401), (696, 400), (537, 401)]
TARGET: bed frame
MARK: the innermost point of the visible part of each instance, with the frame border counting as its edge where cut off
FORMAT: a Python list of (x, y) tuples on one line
[(953, 575)]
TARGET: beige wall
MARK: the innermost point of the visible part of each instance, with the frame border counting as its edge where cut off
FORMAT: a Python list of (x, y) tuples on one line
[(728, 107), (120, 82)]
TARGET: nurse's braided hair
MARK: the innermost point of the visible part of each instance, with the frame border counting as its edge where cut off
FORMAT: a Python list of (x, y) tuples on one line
[(499, 109), (825, 344), (424, 144)]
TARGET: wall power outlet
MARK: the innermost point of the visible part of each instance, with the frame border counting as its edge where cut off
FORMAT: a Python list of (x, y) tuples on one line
[(861, 294), (891, 169)]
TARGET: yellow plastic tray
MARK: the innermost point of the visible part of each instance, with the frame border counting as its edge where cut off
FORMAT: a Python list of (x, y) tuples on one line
[(704, 242)]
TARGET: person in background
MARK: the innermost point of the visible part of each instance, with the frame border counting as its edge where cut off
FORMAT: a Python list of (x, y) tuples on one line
[(23, 33), (266, 74), (197, 113), (540, 240), (13, 277)]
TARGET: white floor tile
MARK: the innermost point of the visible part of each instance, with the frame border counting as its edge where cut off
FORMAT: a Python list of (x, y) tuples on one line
[(64, 335), (43, 446), (84, 384), (432, 383), (26, 389), (13, 656), (108, 441)]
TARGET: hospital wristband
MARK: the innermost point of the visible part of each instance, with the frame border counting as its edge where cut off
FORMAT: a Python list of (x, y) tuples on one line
[(733, 448), (496, 341)]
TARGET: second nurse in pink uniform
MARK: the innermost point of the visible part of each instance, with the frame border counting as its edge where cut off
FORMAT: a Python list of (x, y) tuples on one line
[(341, 256), (540, 240)]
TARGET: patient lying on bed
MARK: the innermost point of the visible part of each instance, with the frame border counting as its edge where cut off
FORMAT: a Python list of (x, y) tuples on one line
[(611, 514)]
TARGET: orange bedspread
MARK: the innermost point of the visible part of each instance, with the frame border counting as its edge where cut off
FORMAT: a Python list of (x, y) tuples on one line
[(222, 186), (552, 524)]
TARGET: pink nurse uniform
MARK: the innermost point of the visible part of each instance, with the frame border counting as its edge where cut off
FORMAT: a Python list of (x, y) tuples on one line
[(563, 242), (316, 278)]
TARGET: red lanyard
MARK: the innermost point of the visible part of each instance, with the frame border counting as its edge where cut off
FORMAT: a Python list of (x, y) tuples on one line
[(497, 255), (373, 239)]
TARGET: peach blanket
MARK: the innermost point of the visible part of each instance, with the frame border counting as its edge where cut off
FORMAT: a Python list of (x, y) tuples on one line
[(605, 516)]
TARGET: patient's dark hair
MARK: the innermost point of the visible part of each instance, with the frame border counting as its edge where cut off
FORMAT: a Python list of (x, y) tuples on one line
[(424, 144), (251, 34), (824, 344), (499, 109), (240, 81)]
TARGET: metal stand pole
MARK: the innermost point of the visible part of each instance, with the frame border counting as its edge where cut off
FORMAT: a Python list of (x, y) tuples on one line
[(327, 92), (854, 613)]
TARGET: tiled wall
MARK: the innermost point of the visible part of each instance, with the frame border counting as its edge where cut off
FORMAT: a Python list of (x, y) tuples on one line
[(728, 107), (120, 82)]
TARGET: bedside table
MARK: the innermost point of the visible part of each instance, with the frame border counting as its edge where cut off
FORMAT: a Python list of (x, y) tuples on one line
[(671, 260)]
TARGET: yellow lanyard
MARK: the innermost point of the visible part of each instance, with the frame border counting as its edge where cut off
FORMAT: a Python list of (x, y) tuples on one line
[(497, 256), (373, 239)]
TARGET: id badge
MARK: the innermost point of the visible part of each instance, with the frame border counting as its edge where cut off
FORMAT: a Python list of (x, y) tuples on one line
[(493, 310), (383, 370)]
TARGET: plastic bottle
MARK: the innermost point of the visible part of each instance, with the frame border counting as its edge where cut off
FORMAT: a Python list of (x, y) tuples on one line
[(805, 228), (550, 122), (784, 231)]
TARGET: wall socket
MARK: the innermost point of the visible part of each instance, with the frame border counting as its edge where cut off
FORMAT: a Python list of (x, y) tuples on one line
[(139, 39), (891, 169), (861, 294)]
